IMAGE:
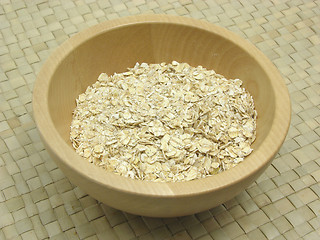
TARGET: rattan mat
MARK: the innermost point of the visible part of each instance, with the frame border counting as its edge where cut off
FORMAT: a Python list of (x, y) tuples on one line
[(38, 202)]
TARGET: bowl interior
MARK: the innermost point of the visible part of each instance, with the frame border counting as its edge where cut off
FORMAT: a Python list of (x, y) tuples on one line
[(116, 49)]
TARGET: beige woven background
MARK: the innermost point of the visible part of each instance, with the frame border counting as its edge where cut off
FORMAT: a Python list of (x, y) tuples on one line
[(38, 202)]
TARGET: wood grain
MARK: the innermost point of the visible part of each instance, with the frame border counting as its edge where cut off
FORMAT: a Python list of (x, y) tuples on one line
[(115, 45)]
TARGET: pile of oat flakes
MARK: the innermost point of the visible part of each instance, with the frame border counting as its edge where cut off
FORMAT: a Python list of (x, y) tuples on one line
[(164, 122)]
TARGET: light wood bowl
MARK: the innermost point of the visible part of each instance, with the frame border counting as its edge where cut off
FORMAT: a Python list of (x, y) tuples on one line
[(113, 46)]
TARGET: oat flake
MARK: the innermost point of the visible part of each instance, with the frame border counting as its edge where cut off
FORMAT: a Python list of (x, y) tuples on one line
[(164, 122)]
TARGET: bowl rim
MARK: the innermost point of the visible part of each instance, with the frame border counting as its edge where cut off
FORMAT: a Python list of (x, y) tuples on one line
[(258, 159)]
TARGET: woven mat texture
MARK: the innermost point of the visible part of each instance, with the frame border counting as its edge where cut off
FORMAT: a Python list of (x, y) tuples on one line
[(38, 202)]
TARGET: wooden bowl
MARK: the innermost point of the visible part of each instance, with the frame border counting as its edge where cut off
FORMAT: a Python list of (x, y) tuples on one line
[(113, 46)]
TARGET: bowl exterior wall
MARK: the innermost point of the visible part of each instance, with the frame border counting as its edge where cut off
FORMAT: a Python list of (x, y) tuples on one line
[(150, 206)]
